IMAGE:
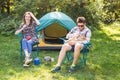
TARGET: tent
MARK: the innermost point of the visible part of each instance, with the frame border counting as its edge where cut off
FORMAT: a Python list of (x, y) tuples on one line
[(54, 25)]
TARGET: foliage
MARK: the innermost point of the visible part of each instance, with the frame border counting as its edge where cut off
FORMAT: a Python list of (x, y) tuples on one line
[(111, 11), (8, 25), (10, 22), (94, 11), (20, 7)]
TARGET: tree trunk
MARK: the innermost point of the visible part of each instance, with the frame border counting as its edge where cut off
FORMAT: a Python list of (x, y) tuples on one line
[(8, 6)]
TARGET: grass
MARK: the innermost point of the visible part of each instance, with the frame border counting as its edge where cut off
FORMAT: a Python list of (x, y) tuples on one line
[(102, 62)]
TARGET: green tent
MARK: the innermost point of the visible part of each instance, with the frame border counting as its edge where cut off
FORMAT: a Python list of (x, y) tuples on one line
[(53, 26)]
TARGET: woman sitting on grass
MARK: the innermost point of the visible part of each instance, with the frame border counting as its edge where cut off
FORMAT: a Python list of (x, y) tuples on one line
[(27, 28)]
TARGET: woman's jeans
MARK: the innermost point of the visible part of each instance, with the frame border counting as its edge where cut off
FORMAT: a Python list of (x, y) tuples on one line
[(27, 45)]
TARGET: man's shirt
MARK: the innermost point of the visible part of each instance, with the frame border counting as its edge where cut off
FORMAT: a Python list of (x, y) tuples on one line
[(86, 32)]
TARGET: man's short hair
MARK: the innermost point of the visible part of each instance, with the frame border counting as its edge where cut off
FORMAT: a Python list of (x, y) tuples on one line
[(81, 20)]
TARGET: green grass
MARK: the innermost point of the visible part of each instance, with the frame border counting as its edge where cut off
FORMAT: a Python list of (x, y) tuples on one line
[(103, 61)]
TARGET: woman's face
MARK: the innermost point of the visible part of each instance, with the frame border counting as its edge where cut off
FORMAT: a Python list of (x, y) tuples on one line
[(27, 17)]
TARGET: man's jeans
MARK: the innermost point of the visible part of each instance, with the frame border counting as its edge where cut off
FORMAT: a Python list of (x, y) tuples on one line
[(27, 45)]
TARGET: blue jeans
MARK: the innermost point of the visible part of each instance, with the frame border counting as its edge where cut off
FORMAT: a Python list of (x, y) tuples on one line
[(27, 45)]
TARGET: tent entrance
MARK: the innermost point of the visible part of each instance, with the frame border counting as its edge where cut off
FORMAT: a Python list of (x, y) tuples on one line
[(53, 32), (53, 41)]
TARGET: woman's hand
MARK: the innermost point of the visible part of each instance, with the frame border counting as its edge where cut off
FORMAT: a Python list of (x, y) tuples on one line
[(18, 31), (31, 14), (24, 26)]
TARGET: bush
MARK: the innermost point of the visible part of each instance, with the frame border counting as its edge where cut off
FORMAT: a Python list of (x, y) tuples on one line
[(8, 25)]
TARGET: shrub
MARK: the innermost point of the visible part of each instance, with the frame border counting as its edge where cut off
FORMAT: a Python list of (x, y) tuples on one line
[(8, 26)]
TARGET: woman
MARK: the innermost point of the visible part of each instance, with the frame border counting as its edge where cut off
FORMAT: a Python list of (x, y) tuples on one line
[(27, 28)]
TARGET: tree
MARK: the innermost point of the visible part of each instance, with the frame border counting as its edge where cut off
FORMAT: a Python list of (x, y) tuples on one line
[(5, 6), (111, 11)]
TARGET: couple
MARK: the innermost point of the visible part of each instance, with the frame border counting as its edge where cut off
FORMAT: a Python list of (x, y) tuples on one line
[(77, 37)]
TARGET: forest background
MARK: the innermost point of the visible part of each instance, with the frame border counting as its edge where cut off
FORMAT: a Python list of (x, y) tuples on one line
[(95, 11)]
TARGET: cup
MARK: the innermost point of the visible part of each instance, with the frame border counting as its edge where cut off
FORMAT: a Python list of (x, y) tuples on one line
[(36, 61)]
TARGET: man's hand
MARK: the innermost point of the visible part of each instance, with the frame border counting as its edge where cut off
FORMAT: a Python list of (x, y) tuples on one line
[(83, 37)]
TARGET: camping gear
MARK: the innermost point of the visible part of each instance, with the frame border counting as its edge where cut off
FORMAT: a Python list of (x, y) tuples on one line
[(54, 25), (36, 61), (48, 59)]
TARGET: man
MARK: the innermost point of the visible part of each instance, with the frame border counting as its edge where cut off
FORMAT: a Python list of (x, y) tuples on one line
[(82, 35)]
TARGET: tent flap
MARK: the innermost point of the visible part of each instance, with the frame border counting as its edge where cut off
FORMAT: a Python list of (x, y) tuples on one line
[(58, 17)]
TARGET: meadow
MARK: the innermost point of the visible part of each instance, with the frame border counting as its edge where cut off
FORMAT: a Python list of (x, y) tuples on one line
[(103, 60)]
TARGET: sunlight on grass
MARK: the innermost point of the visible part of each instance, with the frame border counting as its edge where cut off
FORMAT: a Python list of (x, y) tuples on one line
[(113, 31), (102, 60)]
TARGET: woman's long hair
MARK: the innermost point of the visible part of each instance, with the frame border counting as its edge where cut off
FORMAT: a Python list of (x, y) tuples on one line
[(31, 22)]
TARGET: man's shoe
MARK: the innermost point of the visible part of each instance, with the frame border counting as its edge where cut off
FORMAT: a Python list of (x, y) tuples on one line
[(28, 60), (72, 69), (56, 69)]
